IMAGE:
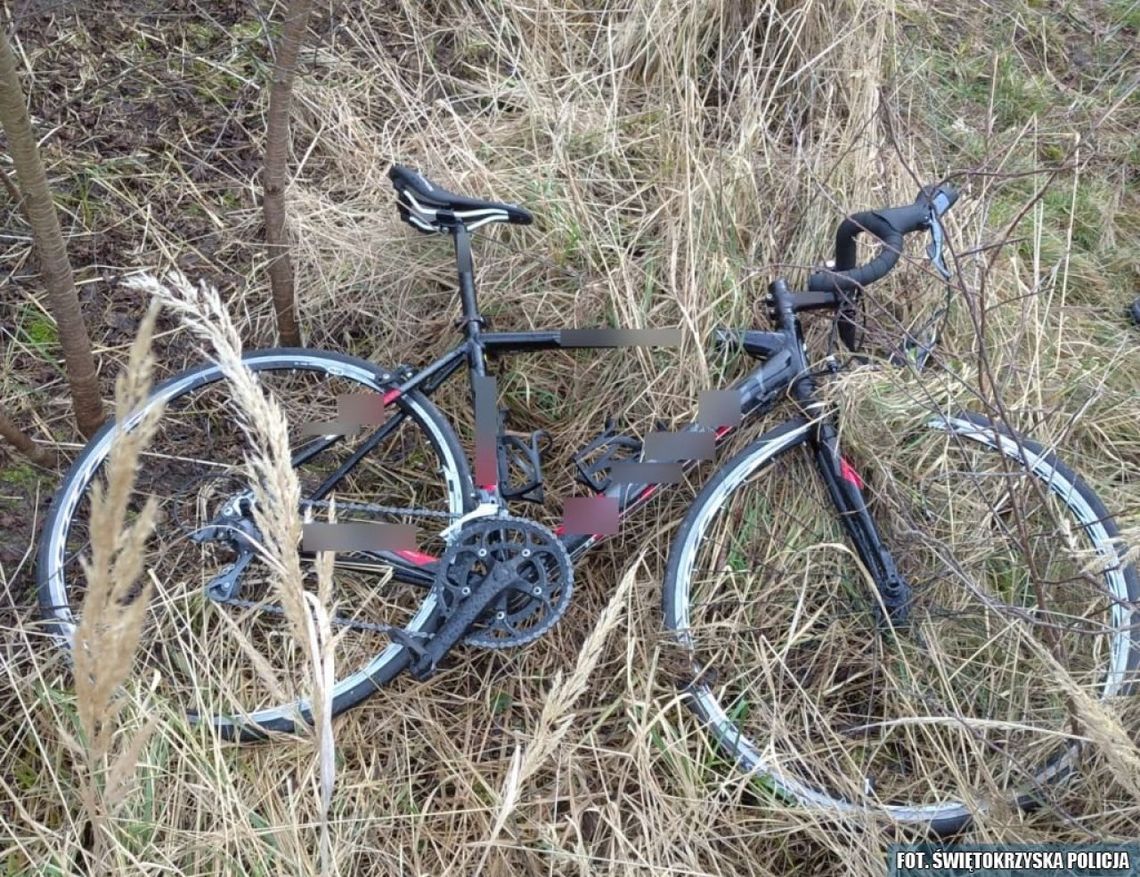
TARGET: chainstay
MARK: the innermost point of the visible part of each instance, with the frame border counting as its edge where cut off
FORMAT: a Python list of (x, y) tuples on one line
[(368, 508), (373, 509)]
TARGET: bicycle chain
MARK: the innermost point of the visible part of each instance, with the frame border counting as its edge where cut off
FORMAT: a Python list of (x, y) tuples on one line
[(477, 638), (335, 622), (368, 508)]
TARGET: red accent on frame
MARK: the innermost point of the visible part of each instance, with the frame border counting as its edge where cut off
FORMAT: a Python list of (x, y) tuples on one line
[(390, 397), (849, 474), (416, 557), (721, 431)]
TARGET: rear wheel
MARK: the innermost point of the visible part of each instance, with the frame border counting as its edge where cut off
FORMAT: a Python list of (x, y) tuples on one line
[(234, 661), (1022, 607)]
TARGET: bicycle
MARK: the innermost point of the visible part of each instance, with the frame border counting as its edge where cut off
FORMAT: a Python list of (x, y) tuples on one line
[(830, 626)]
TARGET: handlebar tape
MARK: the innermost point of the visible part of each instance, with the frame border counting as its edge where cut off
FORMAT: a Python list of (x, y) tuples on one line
[(889, 226)]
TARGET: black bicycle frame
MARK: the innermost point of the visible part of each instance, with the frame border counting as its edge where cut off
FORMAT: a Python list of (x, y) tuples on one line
[(782, 370)]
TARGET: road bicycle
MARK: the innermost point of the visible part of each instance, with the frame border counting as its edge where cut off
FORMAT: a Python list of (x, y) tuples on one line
[(875, 643)]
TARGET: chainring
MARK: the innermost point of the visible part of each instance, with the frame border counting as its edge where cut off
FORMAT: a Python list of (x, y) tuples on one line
[(539, 593)]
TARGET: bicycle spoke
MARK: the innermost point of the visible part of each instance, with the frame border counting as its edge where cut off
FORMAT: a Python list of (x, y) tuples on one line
[(922, 721), (230, 652)]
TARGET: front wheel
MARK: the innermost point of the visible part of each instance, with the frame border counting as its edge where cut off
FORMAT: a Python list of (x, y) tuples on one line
[(229, 657), (1022, 607)]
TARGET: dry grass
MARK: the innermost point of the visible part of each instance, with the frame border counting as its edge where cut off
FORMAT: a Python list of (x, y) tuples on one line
[(276, 496), (676, 157), (113, 612)]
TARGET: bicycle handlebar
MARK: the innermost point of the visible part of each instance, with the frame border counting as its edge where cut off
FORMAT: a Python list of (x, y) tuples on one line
[(889, 226)]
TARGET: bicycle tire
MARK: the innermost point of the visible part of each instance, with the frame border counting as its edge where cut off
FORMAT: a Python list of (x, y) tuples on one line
[(306, 375), (719, 696)]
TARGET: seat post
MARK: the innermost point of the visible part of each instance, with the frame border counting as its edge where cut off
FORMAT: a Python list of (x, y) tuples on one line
[(466, 272), (471, 321)]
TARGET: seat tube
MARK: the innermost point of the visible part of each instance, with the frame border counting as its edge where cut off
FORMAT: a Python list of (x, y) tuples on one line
[(483, 397)]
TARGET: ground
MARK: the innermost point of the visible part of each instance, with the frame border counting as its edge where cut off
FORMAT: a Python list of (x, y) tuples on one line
[(675, 159)]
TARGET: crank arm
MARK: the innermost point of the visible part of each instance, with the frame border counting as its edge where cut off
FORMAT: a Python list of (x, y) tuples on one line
[(500, 578)]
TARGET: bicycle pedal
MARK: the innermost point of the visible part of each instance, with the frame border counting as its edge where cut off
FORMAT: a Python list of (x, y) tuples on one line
[(520, 466), (597, 458)]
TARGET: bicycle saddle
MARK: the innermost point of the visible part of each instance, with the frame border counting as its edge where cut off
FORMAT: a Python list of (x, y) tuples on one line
[(430, 208)]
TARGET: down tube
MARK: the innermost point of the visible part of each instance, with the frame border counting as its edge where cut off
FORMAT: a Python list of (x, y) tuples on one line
[(757, 397)]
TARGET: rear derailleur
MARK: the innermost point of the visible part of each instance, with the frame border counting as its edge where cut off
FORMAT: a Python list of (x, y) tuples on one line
[(235, 527)]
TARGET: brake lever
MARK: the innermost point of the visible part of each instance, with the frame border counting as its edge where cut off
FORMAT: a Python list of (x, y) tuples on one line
[(938, 201), (934, 248)]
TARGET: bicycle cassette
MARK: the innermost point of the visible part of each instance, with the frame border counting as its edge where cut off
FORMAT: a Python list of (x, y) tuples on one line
[(530, 555)]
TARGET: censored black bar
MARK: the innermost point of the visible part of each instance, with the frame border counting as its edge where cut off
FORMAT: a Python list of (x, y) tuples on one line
[(358, 536), (579, 339)]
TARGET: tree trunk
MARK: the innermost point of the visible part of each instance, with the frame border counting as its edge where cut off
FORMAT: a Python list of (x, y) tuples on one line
[(54, 265), (275, 173), (39, 455)]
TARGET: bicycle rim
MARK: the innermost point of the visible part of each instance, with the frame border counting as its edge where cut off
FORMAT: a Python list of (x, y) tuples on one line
[(793, 681), (238, 663)]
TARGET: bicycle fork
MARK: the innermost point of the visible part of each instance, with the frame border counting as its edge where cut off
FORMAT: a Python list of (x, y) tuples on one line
[(843, 483), (846, 490)]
